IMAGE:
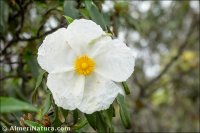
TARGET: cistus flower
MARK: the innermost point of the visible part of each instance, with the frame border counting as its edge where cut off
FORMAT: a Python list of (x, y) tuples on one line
[(85, 66)]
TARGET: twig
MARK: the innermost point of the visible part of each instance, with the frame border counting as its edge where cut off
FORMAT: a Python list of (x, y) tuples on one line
[(172, 61)]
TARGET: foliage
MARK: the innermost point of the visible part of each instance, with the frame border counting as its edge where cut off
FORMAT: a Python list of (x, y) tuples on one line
[(164, 89)]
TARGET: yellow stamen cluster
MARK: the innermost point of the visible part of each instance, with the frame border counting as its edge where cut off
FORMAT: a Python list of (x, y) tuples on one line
[(84, 65)]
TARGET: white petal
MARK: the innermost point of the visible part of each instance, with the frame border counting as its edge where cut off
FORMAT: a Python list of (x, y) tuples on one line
[(81, 32), (55, 55), (115, 61), (99, 94), (67, 89)]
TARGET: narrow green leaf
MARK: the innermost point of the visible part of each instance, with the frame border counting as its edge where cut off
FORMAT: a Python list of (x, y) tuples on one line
[(9, 104), (124, 113), (101, 124), (91, 118), (40, 127), (83, 122), (56, 121), (94, 13), (75, 116), (32, 63), (47, 104), (38, 82), (126, 88), (4, 14), (69, 19), (97, 121)]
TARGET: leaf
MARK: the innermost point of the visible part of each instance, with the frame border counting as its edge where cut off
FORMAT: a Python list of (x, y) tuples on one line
[(91, 118), (60, 115), (38, 82), (75, 116), (9, 104), (69, 19), (98, 122), (47, 104), (126, 88), (83, 122), (107, 117), (4, 14), (94, 13), (101, 124), (57, 117), (70, 9), (124, 113), (35, 125), (32, 63)]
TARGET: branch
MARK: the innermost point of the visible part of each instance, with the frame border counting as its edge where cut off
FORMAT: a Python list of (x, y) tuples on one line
[(172, 61), (42, 35)]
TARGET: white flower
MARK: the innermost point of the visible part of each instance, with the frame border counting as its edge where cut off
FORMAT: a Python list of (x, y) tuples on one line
[(84, 65)]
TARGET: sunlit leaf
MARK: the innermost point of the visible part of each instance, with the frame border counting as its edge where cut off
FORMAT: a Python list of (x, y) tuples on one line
[(69, 19)]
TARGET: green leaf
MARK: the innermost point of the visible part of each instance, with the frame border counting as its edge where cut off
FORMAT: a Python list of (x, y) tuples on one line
[(124, 113), (57, 116), (70, 9), (9, 104), (98, 122), (107, 117), (38, 82), (75, 116), (32, 63), (69, 19), (94, 13), (126, 88), (4, 14), (91, 118), (101, 124), (36, 125), (83, 122), (47, 104)]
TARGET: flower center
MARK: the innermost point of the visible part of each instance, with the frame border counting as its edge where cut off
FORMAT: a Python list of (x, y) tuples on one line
[(84, 65)]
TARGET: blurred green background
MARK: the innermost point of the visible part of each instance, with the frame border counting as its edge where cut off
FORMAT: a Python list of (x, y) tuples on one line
[(164, 34)]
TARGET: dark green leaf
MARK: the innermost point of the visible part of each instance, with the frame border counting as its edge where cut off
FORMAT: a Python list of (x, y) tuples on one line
[(9, 104), (83, 122), (57, 116), (124, 113), (4, 14), (38, 82), (94, 13), (32, 63), (126, 88), (75, 116), (98, 122), (91, 118)]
